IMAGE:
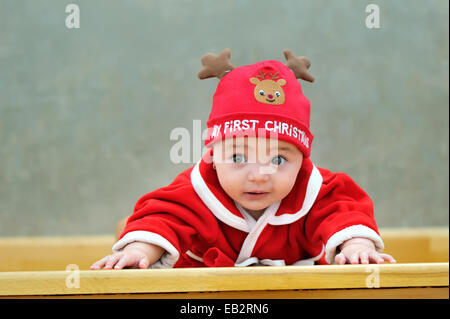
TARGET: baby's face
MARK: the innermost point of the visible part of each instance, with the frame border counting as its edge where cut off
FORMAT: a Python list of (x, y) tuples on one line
[(256, 172)]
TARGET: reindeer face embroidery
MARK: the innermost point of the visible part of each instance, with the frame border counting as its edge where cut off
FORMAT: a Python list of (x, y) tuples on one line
[(268, 91)]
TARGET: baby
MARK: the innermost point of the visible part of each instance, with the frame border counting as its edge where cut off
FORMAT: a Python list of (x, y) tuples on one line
[(255, 197)]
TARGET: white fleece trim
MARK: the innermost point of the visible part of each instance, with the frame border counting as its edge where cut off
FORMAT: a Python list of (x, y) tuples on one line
[(253, 261), (347, 233), (247, 262), (312, 190), (167, 260), (252, 237), (272, 262), (279, 262), (251, 221), (194, 256), (310, 261), (214, 205)]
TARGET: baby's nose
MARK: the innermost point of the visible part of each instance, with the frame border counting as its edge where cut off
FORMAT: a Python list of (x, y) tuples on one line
[(270, 96), (259, 173)]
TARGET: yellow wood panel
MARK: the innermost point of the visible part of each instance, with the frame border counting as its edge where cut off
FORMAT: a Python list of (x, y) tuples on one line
[(412, 245), (52, 253), (374, 293), (55, 253), (223, 279)]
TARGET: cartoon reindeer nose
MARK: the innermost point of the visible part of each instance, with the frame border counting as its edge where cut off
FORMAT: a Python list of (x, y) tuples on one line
[(270, 96)]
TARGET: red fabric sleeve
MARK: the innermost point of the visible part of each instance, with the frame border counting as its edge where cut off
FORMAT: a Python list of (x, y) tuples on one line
[(341, 203), (174, 212)]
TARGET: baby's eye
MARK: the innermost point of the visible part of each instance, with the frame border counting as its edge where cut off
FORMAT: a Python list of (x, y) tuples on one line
[(238, 159), (277, 94), (278, 160), (261, 92)]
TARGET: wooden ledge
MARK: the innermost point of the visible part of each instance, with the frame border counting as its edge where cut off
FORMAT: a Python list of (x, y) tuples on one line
[(407, 245), (223, 279)]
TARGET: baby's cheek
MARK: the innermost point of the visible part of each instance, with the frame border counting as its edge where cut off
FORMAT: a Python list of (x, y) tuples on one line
[(284, 185), (228, 183)]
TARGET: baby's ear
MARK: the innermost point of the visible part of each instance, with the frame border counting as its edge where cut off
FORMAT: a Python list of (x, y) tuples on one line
[(254, 80), (281, 82)]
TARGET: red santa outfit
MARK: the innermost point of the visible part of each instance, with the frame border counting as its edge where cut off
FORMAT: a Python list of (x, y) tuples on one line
[(199, 225)]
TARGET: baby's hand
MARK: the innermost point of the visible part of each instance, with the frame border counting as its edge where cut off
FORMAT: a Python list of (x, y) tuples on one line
[(134, 255), (360, 250)]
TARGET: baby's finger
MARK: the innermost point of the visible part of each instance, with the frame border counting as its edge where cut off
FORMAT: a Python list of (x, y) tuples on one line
[(376, 258), (388, 258), (123, 262), (100, 263), (364, 256), (340, 259), (112, 261), (144, 263), (354, 258)]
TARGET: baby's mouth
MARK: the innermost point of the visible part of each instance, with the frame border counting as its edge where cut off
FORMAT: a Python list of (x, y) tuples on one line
[(255, 195), (270, 100)]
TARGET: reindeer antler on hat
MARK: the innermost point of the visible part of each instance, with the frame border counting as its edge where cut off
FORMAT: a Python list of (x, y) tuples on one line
[(299, 65), (219, 65), (215, 65)]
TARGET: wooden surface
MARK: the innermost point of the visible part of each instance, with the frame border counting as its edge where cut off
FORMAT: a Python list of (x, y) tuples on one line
[(52, 253), (355, 293), (417, 244), (55, 253), (37, 267), (224, 279)]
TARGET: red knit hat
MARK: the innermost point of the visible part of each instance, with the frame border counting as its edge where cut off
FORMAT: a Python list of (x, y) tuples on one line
[(262, 99)]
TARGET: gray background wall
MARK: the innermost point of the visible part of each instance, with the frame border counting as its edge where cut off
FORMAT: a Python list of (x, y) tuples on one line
[(86, 114)]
